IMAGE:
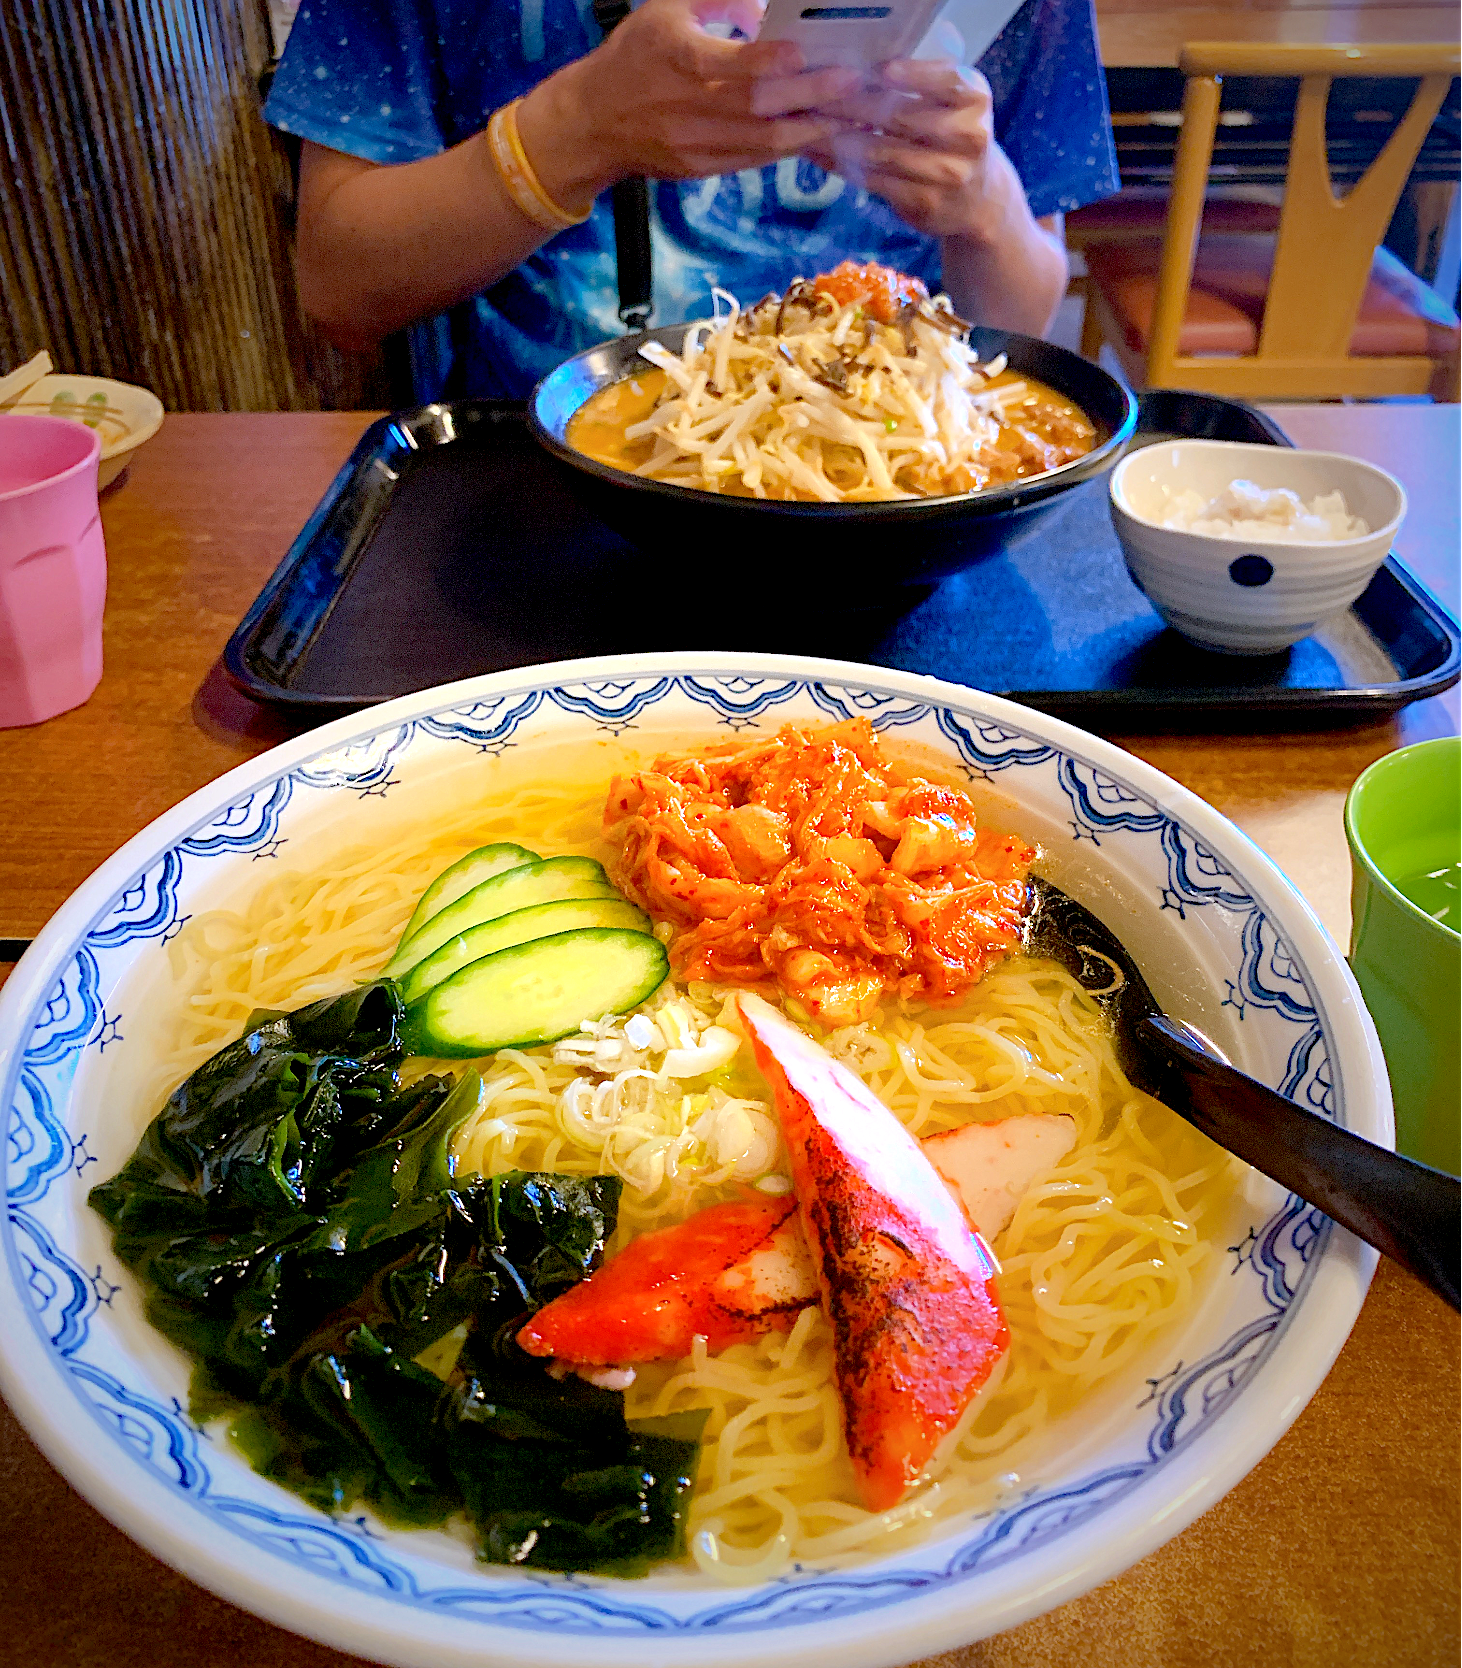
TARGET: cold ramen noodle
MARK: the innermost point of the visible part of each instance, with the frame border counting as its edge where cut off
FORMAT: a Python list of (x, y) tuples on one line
[(854, 387), (690, 1166)]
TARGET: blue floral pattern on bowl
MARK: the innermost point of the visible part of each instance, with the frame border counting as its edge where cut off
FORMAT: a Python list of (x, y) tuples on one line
[(70, 1295)]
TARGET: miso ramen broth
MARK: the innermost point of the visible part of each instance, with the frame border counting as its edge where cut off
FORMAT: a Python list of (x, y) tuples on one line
[(855, 387)]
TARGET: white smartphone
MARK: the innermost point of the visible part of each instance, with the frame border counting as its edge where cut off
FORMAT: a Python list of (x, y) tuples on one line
[(864, 36), (849, 36)]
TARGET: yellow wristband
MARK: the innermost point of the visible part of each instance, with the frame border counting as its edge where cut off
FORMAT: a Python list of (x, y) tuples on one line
[(517, 174)]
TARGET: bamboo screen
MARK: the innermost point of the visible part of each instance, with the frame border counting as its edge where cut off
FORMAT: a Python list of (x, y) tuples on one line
[(145, 207)]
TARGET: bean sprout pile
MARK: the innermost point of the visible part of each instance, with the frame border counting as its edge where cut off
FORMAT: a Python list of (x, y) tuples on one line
[(813, 396)]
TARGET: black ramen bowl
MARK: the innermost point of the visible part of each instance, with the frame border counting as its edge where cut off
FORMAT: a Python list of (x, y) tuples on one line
[(909, 541)]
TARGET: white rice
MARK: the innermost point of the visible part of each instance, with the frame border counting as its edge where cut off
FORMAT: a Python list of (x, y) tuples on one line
[(1245, 511)]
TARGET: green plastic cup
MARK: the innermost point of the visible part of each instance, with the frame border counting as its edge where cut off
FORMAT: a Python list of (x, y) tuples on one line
[(1403, 823)]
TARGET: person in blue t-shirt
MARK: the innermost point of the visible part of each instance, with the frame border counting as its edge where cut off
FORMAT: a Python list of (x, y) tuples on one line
[(761, 170)]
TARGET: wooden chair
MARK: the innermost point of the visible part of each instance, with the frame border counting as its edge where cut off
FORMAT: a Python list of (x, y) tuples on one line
[(1319, 310)]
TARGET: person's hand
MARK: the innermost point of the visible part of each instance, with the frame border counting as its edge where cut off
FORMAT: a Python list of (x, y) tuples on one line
[(923, 139), (663, 98)]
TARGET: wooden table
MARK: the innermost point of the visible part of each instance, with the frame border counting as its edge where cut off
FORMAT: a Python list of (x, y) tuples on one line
[(1341, 1546), (1145, 34)]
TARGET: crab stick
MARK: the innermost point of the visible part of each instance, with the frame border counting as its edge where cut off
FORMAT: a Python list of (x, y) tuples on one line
[(907, 1286)]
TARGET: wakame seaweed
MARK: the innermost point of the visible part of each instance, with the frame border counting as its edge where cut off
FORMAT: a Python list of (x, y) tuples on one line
[(295, 1221)]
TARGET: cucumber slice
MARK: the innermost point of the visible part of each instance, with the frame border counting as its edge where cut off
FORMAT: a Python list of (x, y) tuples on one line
[(536, 992), (521, 927), (467, 872), (529, 883)]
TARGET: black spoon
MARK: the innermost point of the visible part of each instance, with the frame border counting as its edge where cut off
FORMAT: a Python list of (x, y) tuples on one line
[(1406, 1210)]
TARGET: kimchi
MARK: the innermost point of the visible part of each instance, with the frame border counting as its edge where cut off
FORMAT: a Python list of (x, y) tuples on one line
[(813, 862)]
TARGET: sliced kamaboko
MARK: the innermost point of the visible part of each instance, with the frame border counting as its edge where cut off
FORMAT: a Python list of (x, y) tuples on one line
[(674, 1284), (907, 1286), (775, 1278), (989, 1166)]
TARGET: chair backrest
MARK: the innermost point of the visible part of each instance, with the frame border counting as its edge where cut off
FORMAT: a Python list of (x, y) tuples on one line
[(1325, 245)]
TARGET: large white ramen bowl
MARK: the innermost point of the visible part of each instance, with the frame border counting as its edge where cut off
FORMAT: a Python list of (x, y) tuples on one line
[(1227, 943)]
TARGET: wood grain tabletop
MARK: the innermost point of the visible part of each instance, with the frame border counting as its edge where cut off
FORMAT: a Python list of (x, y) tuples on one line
[(1341, 1546), (1147, 34)]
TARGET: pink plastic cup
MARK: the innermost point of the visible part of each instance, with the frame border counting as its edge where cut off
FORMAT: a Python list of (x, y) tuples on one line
[(53, 567)]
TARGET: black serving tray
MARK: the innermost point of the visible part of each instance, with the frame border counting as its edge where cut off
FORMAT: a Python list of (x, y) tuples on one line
[(452, 544)]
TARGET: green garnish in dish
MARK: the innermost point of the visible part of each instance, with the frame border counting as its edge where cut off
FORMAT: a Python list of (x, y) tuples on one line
[(461, 877), (295, 1219), (518, 887), (536, 992), (520, 927)]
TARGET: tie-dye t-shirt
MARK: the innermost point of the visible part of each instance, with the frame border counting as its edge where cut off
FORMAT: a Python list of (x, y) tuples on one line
[(397, 80)]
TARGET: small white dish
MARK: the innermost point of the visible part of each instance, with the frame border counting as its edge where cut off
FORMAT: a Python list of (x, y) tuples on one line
[(125, 415), (1246, 595)]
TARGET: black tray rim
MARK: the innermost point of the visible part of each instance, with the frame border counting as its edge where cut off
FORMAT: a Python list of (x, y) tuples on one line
[(437, 423)]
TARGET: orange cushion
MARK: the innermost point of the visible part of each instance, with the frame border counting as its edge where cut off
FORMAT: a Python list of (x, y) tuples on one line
[(1395, 290), (1126, 274), (1211, 325), (1399, 314)]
